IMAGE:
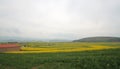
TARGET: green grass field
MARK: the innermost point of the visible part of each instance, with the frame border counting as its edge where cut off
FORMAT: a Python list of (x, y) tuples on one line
[(93, 59)]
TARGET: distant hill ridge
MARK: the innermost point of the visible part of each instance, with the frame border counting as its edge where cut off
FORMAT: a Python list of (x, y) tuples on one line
[(99, 39)]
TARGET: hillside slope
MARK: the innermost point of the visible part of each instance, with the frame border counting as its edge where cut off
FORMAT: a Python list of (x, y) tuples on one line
[(99, 39)]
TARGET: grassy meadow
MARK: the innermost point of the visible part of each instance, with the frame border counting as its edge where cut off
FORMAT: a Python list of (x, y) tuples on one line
[(63, 55)]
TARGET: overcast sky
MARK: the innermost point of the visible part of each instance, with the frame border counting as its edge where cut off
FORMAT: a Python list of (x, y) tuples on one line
[(59, 19)]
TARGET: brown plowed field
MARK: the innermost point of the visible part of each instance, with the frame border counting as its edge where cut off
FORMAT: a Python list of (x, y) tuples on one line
[(8, 45)]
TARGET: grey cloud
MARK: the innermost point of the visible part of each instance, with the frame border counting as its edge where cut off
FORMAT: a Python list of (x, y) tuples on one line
[(66, 19)]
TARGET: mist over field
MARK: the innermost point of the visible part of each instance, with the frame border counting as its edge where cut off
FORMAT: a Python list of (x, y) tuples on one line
[(63, 19)]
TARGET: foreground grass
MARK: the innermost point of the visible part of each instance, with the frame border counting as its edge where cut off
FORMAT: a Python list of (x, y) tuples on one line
[(103, 59)]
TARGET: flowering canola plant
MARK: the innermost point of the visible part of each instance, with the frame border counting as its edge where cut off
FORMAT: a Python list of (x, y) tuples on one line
[(64, 47)]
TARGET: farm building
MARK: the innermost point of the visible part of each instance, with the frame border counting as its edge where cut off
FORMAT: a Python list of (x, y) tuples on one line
[(9, 47)]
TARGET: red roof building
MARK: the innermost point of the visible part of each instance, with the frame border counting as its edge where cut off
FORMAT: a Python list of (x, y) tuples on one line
[(9, 47)]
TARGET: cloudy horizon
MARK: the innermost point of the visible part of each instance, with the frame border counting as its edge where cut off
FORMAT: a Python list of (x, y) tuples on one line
[(59, 19)]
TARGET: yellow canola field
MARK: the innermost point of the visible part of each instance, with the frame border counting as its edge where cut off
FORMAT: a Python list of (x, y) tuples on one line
[(74, 49)]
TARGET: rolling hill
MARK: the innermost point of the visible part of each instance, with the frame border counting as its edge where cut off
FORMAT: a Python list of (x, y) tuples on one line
[(98, 39)]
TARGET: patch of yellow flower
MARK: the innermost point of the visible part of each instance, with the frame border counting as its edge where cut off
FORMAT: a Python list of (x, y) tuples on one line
[(74, 49)]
